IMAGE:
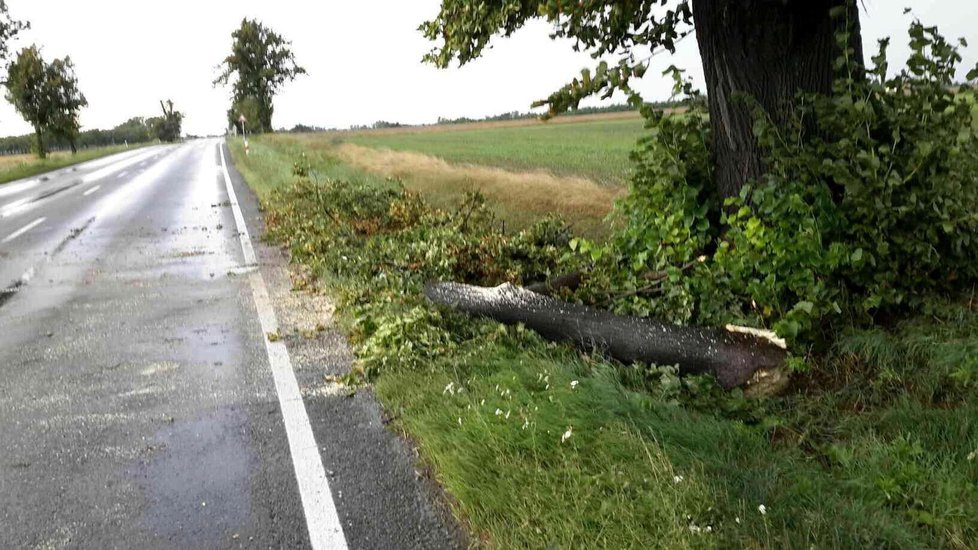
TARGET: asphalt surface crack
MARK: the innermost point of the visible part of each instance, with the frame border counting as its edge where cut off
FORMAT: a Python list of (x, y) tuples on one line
[(54, 192), (9, 292), (72, 235)]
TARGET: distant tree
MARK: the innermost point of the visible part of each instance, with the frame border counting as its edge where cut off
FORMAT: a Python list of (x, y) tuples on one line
[(27, 93), (133, 131), (260, 63), (46, 95), (168, 127), (66, 100)]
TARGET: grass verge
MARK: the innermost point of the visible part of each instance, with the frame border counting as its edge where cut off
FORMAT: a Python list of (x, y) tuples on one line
[(540, 446), (15, 167)]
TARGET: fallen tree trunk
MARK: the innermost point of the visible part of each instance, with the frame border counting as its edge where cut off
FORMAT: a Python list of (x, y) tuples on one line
[(734, 358)]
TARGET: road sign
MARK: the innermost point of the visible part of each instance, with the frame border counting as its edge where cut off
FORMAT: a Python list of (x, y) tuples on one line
[(242, 119)]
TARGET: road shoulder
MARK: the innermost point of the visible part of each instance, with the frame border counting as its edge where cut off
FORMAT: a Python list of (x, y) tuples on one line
[(383, 498)]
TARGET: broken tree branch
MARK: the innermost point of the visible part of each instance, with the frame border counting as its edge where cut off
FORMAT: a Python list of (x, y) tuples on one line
[(734, 358)]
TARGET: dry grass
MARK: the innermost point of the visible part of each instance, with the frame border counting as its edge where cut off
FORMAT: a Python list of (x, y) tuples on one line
[(523, 196), (11, 161)]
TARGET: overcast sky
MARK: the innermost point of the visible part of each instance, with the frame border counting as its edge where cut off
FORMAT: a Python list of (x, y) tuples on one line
[(363, 58)]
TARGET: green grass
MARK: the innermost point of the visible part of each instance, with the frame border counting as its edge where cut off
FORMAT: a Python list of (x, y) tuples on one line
[(17, 167), (642, 472), (595, 149), (876, 448), (269, 164)]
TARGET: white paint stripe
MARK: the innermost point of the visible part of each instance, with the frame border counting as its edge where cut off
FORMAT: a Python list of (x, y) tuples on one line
[(90, 191), (115, 167), (249, 251), (14, 188), (23, 230), (14, 207), (123, 174), (325, 529)]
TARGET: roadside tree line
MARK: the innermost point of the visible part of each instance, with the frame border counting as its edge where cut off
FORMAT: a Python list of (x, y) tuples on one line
[(47, 95)]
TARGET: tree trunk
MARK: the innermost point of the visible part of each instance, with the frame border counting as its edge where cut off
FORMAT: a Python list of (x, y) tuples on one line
[(42, 151), (769, 50), (734, 358)]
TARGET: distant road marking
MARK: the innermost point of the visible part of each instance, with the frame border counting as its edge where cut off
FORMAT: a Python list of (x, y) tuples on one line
[(14, 188), (90, 191), (23, 230), (117, 166), (14, 207), (123, 174), (325, 529)]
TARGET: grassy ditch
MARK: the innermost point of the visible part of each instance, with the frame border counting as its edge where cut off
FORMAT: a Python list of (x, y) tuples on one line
[(540, 446), (15, 167)]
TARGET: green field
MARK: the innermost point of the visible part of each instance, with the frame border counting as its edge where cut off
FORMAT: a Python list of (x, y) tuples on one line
[(15, 167), (597, 148)]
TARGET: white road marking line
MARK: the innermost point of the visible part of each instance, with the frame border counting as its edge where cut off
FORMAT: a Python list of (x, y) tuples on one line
[(23, 230), (325, 529), (90, 191), (14, 188), (116, 166), (13, 207), (123, 174)]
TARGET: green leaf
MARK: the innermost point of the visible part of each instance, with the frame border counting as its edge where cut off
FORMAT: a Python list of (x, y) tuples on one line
[(804, 306), (973, 73)]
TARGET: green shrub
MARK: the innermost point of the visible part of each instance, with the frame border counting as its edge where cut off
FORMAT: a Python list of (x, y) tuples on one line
[(869, 205), (382, 243)]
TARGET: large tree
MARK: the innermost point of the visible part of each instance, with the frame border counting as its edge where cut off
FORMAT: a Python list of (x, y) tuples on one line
[(168, 127), (261, 62), (768, 50), (46, 95), (66, 101)]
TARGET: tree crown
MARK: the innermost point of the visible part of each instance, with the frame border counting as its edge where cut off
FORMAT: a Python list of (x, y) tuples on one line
[(260, 63), (463, 30)]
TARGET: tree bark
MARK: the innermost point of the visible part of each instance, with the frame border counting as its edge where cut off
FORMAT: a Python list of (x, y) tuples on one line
[(42, 151), (769, 50), (735, 359)]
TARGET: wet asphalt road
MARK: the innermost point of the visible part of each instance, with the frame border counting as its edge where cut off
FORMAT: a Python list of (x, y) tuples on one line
[(137, 406)]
